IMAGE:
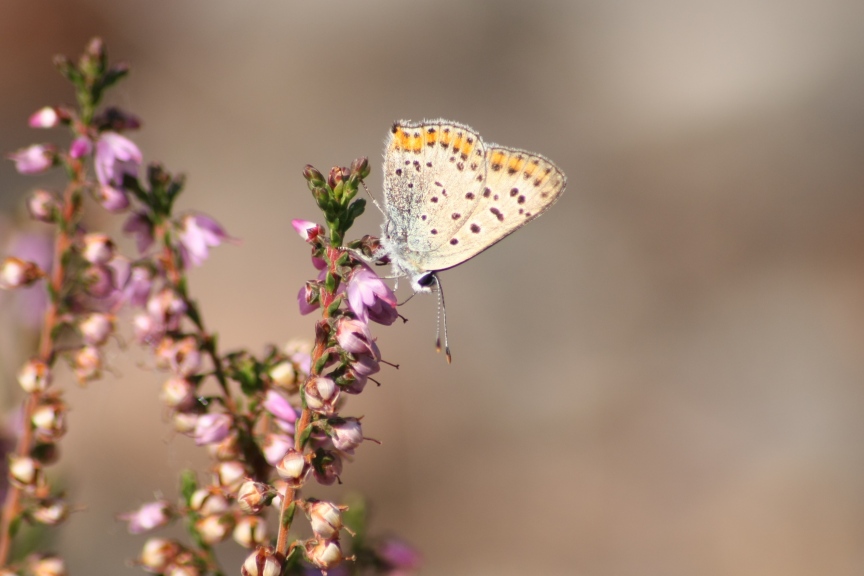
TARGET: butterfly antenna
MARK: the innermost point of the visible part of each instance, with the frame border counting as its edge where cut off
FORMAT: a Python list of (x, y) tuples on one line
[(442, 315), (374, 201)]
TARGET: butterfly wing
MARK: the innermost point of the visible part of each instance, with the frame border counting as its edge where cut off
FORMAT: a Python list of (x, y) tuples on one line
[(519, 186), (434, 174)]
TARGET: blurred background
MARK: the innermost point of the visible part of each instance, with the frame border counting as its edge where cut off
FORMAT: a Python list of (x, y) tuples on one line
[(661, 376)]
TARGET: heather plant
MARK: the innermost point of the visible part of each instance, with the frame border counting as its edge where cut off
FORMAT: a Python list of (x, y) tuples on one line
[(272, 422)]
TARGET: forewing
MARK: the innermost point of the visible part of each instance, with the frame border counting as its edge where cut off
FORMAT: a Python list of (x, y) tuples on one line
[(519, 186), (435, 172)]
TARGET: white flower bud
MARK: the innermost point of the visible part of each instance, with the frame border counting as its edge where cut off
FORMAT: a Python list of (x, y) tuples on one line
[(98, 248), (324, 554), (251, 531), (325, 518), (293, 468), (263, 562), (34, 376)]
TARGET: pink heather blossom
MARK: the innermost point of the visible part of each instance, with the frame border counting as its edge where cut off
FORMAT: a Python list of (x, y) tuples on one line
[(140, 226), (43, 205), (80, 147), (354, 336), (137, 290), (370, 298), (278, 406), (33, 159), (113, 199), (275, 446), (97, 248), (147, 517), (402, 559), (199, 233), (212, 428), (46, 117), (116, 156), (346, 434), (307, 230)]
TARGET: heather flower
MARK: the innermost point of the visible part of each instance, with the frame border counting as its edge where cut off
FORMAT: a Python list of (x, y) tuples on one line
[(80, 147), (140, 226), (33, 159), (230, 475), (116, 156), (46, 117), (209, 501), (87, 364), (275, 446), (309, 231), (146, 329), (47, 566), (23, 470), (212, 428), (327, 467), (114, 200), (346, 434), (300, 353), (167, 308), (137, 289), (214, 529), (325, 518), (49, 421), (399, 557), (370, 298), (283, 374), (308, 298), (325, 553), (199, 233), (321, 395), (37, 248), (354, 337), (51, 511), (157, 554), (15, 273), (43, 205), (95, 328), (178, 393), (254, 496), (293, 468), (148, 517), (263, 562), (251, 531), (279, 407), (34, 376)]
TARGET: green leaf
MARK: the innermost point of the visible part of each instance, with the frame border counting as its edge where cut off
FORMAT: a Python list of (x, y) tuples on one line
[(188, 485)]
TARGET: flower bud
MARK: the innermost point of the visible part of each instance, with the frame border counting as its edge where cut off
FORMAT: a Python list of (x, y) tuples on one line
[(325, 518), (280, 408), (275, 446), (313, 176), (212, 428), (321, 395), (95, 328), (43, 205), (265, 561), (346, 434), (283, 374), (360, 167), (114, 200), (157, 554), (80, 147), (48, 566), (354, 336), (230, 475), (214, 529), (87, 364), (209, 501), (178, 393), (254, 496), (97, 248), (51, 511), (49, 421), (251, 531), (24, 471), (33, 159), (324, 554), (15, 273), (149, 516), (309, 231), (34, 376), (46, 117), (293, 468)]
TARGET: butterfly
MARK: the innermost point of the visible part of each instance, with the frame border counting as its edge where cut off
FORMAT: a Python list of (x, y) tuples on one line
[(449, 196)]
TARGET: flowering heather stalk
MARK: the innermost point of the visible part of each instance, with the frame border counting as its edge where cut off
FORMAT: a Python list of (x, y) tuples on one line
[(270, 422)]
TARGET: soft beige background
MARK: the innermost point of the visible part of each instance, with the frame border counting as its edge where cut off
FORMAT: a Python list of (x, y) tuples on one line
[(661, 376)]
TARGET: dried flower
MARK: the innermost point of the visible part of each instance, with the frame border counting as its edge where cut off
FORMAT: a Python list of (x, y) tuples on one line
[(324, 553), (325, 518), (265, 561), (253, 496)]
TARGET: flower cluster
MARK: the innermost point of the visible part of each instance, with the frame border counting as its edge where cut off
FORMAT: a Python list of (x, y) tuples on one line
[(270, 422)]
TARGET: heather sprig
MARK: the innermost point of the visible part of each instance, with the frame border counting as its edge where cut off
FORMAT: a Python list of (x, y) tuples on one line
[(271, 422)]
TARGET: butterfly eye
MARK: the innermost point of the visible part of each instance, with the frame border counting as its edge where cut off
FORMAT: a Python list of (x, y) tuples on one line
[(426, 280)]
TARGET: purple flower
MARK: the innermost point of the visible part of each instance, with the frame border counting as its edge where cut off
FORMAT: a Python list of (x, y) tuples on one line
[(278, 406), (80, 147), (212, 428), (116, 156), (399, 556), (33, 159), (354, 336), (112, 199), (275, 447), (46, 117), (140, 226), (346, 434), (307, 230), (198, 234), (147, 517), (370, 298), (140, 284)]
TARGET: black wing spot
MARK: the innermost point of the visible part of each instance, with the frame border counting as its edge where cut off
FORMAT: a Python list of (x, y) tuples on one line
[(410, 185), (460, 166), (428, 164), (454, 241), (455, 215), (497, 214), (433, 231), (434, 199), (521, 200), (469, 195), (486, 192), (438, 183), (423, 217), (398, 171), (514, 191), (475, 228)]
